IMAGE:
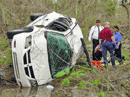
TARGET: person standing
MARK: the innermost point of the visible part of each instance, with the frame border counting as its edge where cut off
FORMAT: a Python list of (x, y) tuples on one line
[(94, 33), (118, 37), (106, 38)]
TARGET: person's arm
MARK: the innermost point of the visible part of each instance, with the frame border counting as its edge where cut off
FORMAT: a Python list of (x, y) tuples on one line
[(119, 38), (90, 34), (113, 39), (100, 41), (100, 38), (97, 48), (119, 43)]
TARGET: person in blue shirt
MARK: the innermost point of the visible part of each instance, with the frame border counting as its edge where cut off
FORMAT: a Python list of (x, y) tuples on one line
[(118, 37)]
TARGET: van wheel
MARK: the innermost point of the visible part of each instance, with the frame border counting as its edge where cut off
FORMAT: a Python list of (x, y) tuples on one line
[(35, 16), (11, 33)]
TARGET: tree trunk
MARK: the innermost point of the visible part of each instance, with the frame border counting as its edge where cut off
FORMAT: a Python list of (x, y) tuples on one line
[(124, 5)]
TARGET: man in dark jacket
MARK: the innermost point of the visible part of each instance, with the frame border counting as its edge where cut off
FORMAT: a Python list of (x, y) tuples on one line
[(106, 38)]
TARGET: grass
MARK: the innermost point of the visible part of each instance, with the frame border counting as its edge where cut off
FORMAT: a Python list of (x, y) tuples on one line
[(5, 52)]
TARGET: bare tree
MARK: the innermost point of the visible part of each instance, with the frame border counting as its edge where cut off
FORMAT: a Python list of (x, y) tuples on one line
[(125, 6)]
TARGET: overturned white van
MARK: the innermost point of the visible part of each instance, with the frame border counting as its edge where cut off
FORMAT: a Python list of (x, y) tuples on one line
[(49, 44)]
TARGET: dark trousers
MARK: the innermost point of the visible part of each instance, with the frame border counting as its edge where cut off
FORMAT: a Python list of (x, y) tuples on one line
[(98, 55), (95, 43), (118, 53), (108, 46)]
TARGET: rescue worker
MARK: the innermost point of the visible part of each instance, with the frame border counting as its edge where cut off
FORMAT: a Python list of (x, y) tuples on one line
[(106, 38), (118, 37), (94, 33)]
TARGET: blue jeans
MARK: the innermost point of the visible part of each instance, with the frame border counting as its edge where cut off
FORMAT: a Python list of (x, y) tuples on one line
[(108, 46)]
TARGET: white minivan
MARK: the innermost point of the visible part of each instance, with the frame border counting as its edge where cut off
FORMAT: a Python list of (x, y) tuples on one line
[(49, 44)]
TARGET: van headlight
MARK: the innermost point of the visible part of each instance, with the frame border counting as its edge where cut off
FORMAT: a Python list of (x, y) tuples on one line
[(28, 41)]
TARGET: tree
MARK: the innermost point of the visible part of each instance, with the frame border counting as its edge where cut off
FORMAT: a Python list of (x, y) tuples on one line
[(125, 6)]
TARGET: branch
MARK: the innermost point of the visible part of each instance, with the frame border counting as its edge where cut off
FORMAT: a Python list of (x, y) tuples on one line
[(124, 5), (109, 83)]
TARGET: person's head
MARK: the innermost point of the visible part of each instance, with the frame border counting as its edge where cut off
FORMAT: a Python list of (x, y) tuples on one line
[(97, 23), (107, 24), (116, 28)]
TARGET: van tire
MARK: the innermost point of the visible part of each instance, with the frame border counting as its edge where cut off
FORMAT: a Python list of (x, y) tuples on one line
[(11, 33), (35, 16)]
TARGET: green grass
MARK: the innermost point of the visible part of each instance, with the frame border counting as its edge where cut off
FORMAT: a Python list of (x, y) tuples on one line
[(5, 50)]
